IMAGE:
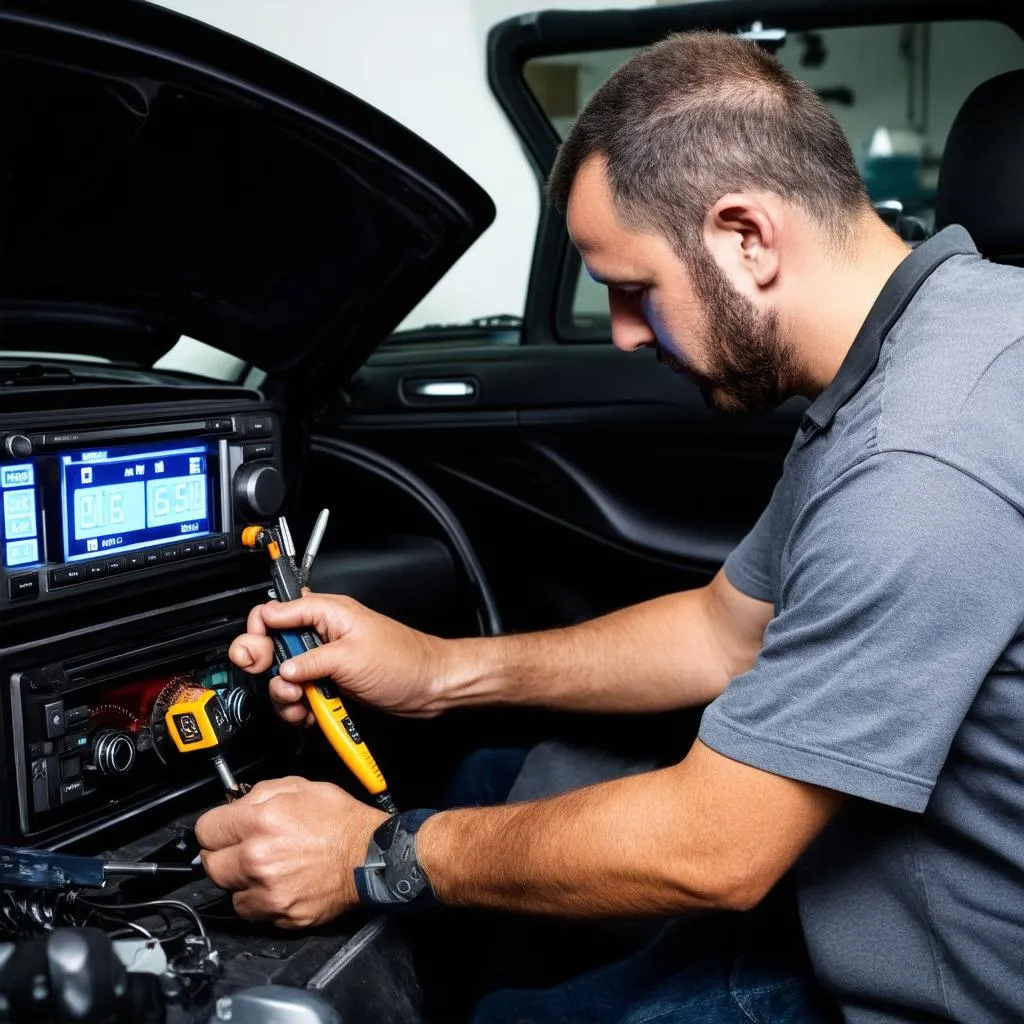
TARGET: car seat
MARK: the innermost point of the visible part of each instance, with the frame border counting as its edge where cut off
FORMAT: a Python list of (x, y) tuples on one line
[(980, 177)]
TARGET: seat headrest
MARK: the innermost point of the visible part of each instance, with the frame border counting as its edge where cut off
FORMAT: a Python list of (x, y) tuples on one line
[(981, 178)]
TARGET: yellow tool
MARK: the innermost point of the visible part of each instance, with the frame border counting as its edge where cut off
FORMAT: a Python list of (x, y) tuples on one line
[(197, 721), (322, 696)]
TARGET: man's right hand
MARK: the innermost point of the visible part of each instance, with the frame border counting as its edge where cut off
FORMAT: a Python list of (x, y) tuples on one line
[(370, 656)]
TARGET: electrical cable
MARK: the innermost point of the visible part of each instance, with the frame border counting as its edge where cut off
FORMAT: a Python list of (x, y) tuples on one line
[(149, 905)]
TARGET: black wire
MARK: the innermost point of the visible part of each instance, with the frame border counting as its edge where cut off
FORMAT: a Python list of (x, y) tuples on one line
[(150, 904), (145, 932)]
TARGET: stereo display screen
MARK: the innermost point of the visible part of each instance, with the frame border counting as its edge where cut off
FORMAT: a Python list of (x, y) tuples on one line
[(120, 499)]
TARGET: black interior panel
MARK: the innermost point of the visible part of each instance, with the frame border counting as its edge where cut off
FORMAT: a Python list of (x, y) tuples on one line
[(587, 479)]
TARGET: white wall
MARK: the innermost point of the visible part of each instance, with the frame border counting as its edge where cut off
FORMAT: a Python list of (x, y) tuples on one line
[(423, 63)]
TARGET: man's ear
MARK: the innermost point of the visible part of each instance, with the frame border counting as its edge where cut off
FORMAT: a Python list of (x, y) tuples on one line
[(742, 232)]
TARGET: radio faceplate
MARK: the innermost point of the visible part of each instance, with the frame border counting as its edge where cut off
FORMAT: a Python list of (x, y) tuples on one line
[(92, 508), (89, 738)]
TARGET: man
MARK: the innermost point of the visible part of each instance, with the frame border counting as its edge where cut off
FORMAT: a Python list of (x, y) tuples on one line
[(859, 651)]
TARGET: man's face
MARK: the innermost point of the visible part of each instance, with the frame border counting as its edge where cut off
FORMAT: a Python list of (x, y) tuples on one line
[(697, 322)]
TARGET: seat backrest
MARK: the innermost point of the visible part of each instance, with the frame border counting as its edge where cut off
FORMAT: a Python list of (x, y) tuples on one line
[(981, 177)]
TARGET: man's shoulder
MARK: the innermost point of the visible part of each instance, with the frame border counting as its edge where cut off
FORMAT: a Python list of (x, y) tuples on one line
[(951, 374)]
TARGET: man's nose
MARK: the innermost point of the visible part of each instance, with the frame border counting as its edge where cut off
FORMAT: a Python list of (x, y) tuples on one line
[(630, 329)]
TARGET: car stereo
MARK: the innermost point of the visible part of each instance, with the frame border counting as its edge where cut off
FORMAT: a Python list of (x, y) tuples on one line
[(84, 508), (88, 731)]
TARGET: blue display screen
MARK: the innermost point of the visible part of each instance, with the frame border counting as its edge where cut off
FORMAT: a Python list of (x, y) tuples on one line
[(119, 499), (20, 522)]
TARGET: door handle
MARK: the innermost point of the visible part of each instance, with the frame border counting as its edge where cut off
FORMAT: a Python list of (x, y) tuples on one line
[(440, 390)]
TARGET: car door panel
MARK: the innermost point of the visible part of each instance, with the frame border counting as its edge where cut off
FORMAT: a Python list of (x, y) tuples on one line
[(586, 478)]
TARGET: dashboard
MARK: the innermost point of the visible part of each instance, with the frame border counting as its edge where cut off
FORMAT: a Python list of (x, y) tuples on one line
[(123, 581)]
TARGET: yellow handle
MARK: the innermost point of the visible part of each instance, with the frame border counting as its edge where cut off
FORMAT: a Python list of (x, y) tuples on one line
[(340, 730)]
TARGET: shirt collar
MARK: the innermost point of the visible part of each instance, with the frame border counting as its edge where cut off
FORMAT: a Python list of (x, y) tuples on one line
[(892, 300)]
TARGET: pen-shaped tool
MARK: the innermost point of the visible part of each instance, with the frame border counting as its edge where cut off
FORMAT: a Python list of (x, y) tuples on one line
[(321, 695)]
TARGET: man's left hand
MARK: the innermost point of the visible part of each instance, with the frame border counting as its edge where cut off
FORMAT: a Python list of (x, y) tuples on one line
[(287, 850)]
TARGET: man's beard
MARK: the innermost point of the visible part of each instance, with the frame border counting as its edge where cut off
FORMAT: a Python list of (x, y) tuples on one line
[(749, 366)]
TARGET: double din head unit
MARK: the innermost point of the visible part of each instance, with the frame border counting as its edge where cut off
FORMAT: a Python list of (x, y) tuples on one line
[(81, 508)]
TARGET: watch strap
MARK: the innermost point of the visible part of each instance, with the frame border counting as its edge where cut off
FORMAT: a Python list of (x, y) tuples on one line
[(391, 877)]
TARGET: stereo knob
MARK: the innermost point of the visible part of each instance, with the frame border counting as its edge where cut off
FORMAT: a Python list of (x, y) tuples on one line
[(113, 752), (238, 705), (18, 446), (259, 490)]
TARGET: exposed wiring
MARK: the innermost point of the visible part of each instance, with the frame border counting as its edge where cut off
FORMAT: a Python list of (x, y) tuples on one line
[(151, 905)]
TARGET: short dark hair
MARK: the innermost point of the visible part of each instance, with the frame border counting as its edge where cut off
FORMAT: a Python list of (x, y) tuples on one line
[(701, 114)]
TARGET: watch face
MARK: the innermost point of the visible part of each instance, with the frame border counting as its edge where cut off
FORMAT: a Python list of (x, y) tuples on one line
[(402, 872)]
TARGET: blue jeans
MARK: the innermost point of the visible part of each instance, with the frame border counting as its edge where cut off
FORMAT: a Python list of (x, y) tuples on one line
[(747, 968)]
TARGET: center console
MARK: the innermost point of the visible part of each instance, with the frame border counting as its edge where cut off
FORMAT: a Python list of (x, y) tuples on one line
[(122, 584)]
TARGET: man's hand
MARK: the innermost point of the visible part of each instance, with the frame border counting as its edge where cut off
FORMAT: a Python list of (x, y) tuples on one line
[(368, 655), (287, 850)]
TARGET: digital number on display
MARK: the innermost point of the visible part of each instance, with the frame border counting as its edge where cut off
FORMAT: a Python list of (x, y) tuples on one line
[(118, 500)]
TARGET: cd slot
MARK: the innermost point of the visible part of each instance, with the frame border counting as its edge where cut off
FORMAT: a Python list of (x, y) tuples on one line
[(61, 439)]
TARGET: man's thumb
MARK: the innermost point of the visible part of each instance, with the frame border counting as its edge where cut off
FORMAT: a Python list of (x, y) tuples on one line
[(304, 668)]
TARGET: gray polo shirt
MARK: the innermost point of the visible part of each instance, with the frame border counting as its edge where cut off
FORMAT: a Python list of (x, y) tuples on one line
[(893, 670)]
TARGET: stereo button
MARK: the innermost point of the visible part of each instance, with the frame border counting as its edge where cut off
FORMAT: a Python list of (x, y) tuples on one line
[(152, 558), (264, 450), (218, 544), (94, 570), (257, 426), (20, 588), (135, 560), (67, 575), (170, 554), (188, 550), (202, 547), (53, 719), (73, 789), (40, 769), (116, 564)]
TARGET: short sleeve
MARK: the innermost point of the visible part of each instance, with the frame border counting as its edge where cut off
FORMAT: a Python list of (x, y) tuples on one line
[(901, 584), (748, 566)]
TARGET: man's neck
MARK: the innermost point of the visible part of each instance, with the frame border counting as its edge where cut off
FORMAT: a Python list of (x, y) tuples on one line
[(838, 299)]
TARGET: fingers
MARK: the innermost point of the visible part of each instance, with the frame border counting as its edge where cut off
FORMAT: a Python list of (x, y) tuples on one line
[(224, 868), (330, 616), (312, 665), (263, 791), (287, 700), (252, 653), (227, 825)]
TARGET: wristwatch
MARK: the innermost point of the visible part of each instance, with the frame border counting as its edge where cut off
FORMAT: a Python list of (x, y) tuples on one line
[(391, 877)]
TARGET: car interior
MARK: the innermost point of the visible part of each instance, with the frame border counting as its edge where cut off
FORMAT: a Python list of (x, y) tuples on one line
[(164, 183)]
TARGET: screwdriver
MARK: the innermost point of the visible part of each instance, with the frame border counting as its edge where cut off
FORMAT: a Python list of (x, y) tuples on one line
[(330, 713), (197, 721), (47, 869)]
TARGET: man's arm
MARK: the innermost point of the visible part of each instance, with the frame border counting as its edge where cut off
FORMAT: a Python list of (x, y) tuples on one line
[(675, 651), (709, 833)]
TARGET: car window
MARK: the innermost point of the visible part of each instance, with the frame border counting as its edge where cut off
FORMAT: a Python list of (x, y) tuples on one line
[(895, 90)]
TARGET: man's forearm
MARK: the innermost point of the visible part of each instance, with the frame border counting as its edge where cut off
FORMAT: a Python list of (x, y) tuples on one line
[(602, 851), (708, 833), (668, 653)]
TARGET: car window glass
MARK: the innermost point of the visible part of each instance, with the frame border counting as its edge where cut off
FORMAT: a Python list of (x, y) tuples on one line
[(895, 90)]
